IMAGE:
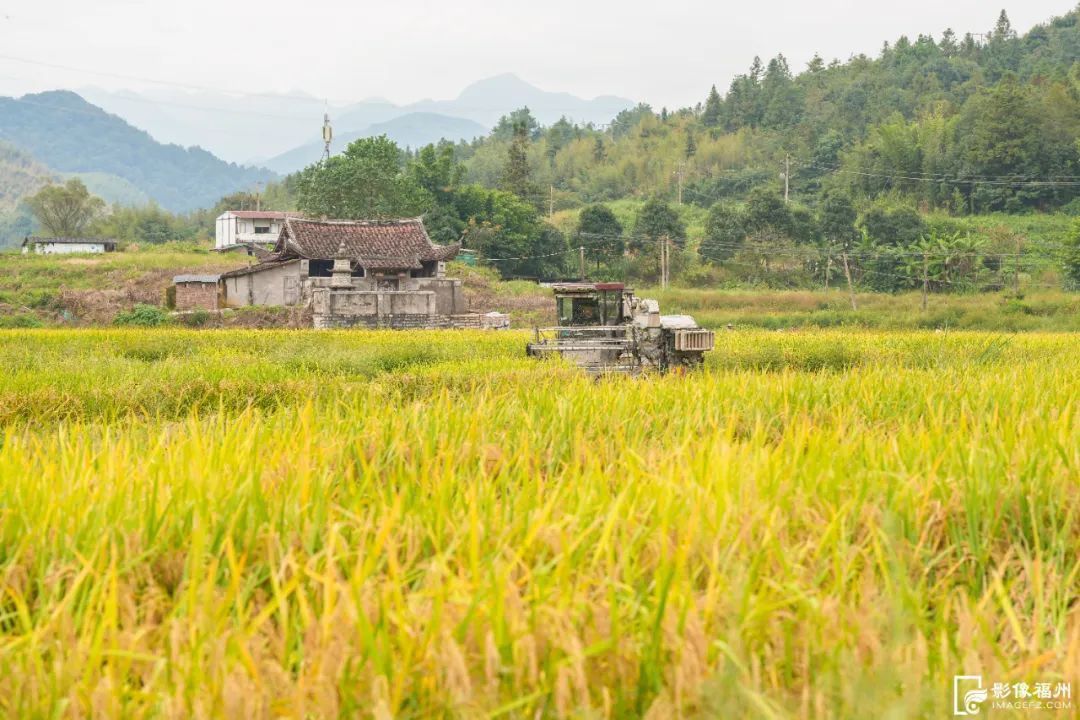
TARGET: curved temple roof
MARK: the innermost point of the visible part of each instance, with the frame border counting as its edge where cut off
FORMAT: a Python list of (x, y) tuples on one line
[(405, 240), (372, 244)]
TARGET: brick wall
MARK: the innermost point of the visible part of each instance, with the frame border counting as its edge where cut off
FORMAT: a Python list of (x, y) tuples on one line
[(192, 296)]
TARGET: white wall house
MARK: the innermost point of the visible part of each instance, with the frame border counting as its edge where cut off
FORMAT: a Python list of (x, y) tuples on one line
[(236, 227), (64, 246)]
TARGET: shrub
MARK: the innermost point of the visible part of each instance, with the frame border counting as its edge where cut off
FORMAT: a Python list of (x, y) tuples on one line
[(20, 321), (195, 318), (142, 316)]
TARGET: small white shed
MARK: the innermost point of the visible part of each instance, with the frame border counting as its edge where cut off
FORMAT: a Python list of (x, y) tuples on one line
[(66, 245)]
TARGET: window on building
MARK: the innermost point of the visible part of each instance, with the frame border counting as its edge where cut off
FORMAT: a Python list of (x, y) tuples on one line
[(262, 228), (320, 268)]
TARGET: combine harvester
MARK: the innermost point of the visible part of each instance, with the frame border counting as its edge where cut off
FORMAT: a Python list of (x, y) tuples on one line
[(605, 329)]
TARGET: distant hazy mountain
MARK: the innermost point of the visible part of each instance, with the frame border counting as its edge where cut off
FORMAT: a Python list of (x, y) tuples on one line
[(266, 125), (236, 128), (411, 130), (69, 135), (488, 100), (111, 188)]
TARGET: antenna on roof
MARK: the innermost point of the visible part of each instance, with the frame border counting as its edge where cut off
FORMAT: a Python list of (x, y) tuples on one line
[(327, 135)]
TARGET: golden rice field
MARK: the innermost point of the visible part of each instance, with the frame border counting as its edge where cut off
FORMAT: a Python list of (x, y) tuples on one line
[(367, 524)]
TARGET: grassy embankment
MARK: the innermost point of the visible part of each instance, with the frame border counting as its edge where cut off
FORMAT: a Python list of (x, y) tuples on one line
[(319, 524)]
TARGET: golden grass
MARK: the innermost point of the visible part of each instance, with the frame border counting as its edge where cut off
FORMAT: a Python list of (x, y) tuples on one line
[(304, 524)]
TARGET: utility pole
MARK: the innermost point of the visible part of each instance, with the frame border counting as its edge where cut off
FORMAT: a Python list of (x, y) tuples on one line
[(581, 262), (551, 200), (850, 288), (663, 262), (679, 176), (667, 262), (327, 136), (828, 271), (925, 278), (660, 249), (787, 177)]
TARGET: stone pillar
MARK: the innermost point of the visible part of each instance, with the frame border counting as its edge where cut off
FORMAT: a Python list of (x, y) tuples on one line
[(341, 273)]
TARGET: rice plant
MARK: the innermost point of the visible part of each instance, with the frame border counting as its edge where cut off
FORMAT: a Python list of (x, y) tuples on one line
[(320, 524)]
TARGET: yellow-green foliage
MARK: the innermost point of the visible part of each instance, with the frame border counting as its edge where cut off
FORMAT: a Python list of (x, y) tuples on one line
[(820, 525)]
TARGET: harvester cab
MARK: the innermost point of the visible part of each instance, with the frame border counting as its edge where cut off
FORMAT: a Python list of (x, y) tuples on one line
[(603, 327)]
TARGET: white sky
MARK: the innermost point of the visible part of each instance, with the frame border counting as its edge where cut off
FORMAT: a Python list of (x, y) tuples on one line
[(665, 53)]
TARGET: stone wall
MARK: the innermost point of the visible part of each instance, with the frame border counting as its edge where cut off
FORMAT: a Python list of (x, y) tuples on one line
[(467, 321), (196, 295), (398, 309)]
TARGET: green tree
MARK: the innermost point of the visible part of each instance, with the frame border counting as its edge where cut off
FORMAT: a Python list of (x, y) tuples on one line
[(1003, 136), (781, 98), (656, 220), (768, 216), (501, 225), (152, 224), (242, 200), (691, 145), (725, 233), (891, 232), (436, 170), (713, 107), (66, 210), (838, 217), (893, 226), (366, 181), (1072, 254), (599, 152), (516, 174), (628, 120), (837, 222), (510, 125), (600, 232)]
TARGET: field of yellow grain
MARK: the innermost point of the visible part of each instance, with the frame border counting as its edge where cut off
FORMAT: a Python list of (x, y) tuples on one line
[(319, 524)]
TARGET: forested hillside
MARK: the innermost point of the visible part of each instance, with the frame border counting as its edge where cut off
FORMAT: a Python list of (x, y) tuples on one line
[(961, 124), (69, 135), (20, 175), (921, 151)]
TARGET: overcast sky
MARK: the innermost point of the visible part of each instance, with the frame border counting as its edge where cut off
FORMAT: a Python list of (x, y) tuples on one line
[(665, 53)]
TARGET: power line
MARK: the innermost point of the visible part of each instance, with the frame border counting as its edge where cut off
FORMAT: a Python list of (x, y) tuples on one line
[(952, 181), (939, 176), (529, 257)]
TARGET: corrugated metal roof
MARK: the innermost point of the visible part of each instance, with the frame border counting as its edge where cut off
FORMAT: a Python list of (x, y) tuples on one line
[(195, 279), (257, 267)]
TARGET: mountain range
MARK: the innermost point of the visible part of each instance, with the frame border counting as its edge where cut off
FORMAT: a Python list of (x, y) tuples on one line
[(166, 145), (70, 136), (260, 128)]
